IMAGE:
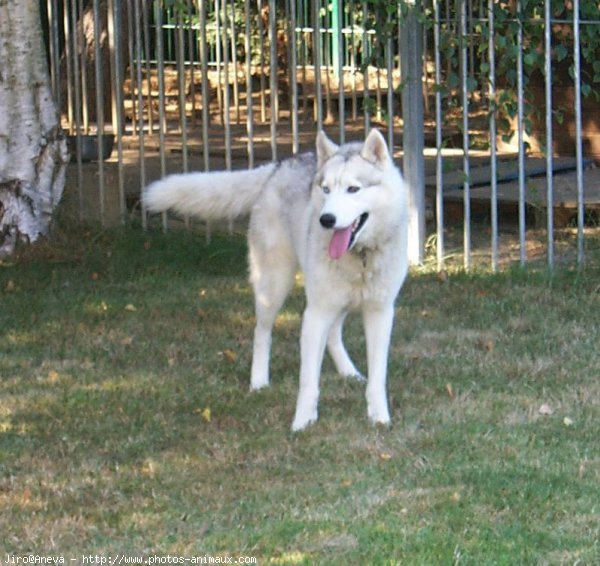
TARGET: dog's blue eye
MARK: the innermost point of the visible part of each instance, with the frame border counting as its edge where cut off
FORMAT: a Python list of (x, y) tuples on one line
[(353, 189), (326, 190)]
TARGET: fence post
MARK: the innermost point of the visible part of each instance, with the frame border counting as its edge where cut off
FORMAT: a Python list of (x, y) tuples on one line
[(411, 50)]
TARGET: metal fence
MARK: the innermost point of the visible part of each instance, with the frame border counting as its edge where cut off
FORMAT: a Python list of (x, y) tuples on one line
[(470, 93)]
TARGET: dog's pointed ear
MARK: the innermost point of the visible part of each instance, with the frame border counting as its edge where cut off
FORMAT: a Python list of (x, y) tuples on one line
[(325, 147), (375, 149)]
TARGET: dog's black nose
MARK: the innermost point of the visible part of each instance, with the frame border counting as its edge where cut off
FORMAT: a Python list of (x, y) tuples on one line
[(327, 220)]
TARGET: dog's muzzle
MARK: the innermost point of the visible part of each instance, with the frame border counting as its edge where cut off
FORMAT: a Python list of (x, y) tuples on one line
[(342, 239)]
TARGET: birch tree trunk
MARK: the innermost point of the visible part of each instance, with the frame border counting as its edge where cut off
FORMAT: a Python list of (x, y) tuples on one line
[(33, 151)]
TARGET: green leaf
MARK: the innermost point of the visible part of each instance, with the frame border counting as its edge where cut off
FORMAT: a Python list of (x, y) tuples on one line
[(471, 84), (559, 115), (586, 89), (530, 58), (561, 52), (453, 80)]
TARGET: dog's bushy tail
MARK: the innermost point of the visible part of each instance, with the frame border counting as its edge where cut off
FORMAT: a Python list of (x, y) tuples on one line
[(210, 196)]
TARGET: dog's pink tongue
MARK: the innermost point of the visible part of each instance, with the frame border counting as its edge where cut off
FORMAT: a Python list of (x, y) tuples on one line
[(339, 243)]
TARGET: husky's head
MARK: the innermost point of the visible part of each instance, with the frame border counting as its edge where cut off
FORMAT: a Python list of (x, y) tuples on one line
[(348, 184)]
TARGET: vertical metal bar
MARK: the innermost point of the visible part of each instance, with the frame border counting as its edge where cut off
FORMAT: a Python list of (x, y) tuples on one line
[(138, 68), (192, 60), (425, 73), (365, 37), (439, 164), (110, 25), (205, 96), (327, 64), (293, 76), (99, 109), (115, 30), (218, 58), (549, 141), (520, 129), (85, 116), (263, 88), (160, 68), (131, 53), (492, 117), (413, 136), (76, 45), (339, 44), (578, 135), (162, 120), (226, 96), (465, 126), (249, 112), (204, 86), (69, 61), (273, 76), (389, 56), (378, 83), (236, 86), (146, 44), (179, 53), (304, 43), (54, 43), (317, 63), (353, 59)]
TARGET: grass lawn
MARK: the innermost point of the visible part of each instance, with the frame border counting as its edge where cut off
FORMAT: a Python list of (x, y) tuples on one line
[(126, 424)]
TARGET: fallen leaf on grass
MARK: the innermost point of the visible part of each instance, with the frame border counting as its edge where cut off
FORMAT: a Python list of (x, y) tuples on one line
[(130, 308), (53, 375), (204, 413), (26, 496), (450, 390), (455, 497), (127, 340), (229, 355), (385, 456)]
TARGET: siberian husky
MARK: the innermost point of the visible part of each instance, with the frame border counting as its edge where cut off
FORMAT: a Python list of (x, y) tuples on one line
[(340, 215)]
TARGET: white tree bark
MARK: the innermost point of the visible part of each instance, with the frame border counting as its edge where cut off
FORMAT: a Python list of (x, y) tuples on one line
[(33, 152)]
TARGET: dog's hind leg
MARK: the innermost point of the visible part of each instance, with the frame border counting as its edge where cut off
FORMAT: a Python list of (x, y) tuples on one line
[(338, 353), (272, 276)]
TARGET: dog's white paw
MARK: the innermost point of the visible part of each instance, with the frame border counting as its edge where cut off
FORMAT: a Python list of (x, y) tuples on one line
[(378, 412), (383, 420), (303, 419), (258, 383), (355, 376)]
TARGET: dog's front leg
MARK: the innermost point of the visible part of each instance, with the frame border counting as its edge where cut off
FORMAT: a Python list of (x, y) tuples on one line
[(315, 327), (378, 322)]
